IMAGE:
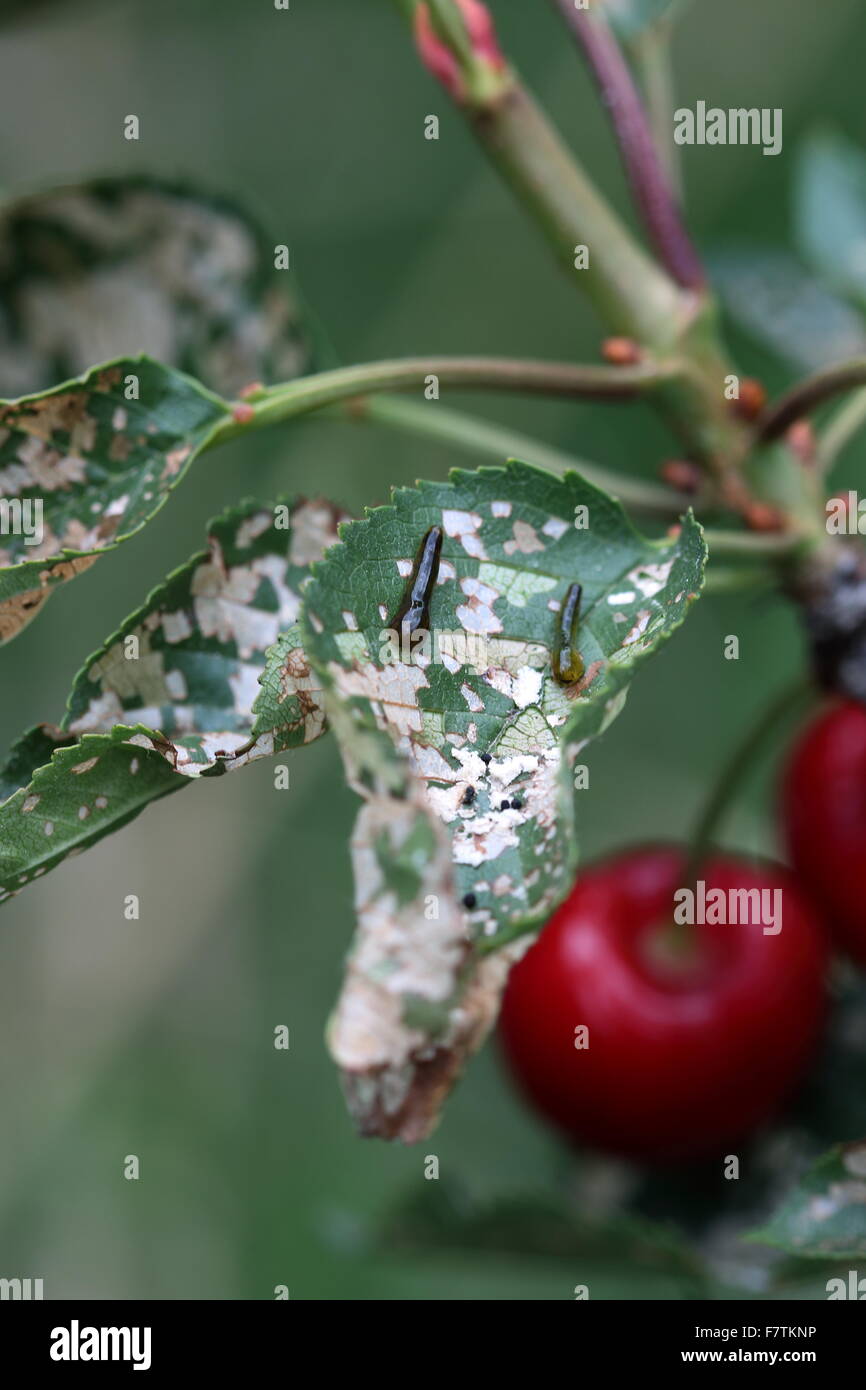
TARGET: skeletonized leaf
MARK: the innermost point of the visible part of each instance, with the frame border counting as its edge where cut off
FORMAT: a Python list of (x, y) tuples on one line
[(468, 739), (830, 211), (85, 466), (784, 308), (117, 267), (207, 676), (825, 1216), (189, 663)]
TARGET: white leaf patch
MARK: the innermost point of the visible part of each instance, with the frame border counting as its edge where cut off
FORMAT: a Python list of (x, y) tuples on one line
[(651, 578), (463, 527)]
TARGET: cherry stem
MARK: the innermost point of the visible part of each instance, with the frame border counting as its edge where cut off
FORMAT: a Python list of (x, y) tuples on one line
[(650, 183), (738, 767), (807, 395)]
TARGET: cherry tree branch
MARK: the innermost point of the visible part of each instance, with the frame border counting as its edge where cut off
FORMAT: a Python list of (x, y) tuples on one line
[(630, 292), (563, 379), (650, 54), (807, 395), (649, 180)]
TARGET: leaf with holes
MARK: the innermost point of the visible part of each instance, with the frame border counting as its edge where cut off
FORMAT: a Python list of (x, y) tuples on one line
[(462, 743), (207, 676), (116, 267), (825, 1216), (85, 466)]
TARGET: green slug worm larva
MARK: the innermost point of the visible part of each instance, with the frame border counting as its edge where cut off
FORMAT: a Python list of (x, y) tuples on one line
[(566, 659), (413, 614)]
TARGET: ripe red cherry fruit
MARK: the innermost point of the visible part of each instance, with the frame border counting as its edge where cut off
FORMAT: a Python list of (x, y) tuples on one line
[(685, 1056), (824, 815)]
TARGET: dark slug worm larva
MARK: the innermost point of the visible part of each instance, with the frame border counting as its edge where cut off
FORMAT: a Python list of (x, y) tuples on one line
[(566, 659), (413, 615)]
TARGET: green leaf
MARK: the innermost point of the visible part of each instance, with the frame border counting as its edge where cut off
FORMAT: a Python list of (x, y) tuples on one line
[(830, 212), (781, 306), (207, 676), (413, 734), (825, 1215), (88, 790), (91, 461), (117, 267), (630, 18), (32, 750)]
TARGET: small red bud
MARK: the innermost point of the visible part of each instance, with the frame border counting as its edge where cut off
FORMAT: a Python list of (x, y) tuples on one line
[(802, 442), (242, 413), (681, 474), (439, 59), (482, 32), (252, 389), (622, 352), (753, 398), (436, 56), (760, 516)]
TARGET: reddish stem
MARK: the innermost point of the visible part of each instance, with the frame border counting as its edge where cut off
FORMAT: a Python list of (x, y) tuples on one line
[(651, 187)]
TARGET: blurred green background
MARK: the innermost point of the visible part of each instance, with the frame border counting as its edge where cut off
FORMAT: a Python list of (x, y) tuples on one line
[(154, 1037)]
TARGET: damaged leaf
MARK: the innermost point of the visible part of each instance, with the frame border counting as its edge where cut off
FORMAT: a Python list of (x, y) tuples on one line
[(117, 267), (85, 466), (462, 745), (191, 662), (88, 790), (825, 1216), (207, 676)]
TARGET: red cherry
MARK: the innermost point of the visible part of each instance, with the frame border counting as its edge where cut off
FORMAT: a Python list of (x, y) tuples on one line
[(824, 814), (684, 1057)]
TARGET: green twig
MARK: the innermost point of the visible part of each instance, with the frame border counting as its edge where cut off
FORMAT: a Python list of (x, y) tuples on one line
[(645, 170), (631, 293), (808, 394), (475, 373), (498, 443)]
